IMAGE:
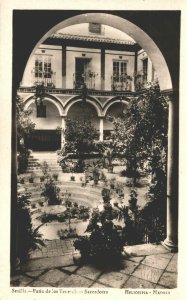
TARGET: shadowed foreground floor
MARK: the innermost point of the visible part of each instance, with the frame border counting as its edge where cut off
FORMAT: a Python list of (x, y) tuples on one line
[(145, 266)]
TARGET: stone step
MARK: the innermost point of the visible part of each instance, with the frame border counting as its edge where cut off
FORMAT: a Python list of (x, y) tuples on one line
[(84, 194), (69, 188), (38, 172), (79, 200)]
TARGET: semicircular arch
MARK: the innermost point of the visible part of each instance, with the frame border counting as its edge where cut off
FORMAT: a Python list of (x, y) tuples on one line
[(113, 101), (49, 98), (89, 99)]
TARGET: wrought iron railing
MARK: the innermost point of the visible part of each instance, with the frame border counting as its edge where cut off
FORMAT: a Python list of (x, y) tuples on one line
[(88, 78), (47, 79), (140, 80), (121, 82)]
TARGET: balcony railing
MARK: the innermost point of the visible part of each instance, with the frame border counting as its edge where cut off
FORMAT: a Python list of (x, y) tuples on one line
[(121, 82), (51, 90), (46, 78), (140, 81), (88, 78)]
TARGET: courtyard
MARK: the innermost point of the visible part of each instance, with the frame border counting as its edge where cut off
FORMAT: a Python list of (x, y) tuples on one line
[(145, 266), (96, 160)]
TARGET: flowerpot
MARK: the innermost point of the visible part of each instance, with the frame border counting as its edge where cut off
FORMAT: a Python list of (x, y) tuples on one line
[(110, 169), (77, 258), (55, 177)]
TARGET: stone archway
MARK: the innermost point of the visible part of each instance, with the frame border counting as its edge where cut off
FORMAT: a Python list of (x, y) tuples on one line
[(45, 136), (164, 79)]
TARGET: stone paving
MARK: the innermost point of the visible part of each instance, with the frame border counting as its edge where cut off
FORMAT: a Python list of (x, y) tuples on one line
[(54, 248), (144, 266)]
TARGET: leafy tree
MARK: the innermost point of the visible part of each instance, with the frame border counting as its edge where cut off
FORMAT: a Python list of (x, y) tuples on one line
[(24, 128), (28, 237), (80, 136), (141, 134), (24, 124)]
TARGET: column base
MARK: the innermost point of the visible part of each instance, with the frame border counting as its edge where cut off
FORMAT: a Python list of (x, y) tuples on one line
[(170, 245)]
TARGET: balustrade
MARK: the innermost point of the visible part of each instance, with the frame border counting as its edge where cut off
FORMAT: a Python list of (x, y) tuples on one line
[(88, 78), (47, 79), (121, 82)]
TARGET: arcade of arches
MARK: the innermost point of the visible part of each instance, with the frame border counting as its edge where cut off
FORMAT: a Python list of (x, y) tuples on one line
[(46, 137)]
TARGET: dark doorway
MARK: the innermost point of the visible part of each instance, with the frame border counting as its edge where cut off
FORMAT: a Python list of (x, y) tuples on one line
[(44, 140), (81, 71)]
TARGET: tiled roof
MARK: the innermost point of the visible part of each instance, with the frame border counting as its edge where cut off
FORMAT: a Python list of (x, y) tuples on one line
[(90, 38)]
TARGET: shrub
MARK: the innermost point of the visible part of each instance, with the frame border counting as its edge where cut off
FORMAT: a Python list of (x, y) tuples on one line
[(106, 194), (105, 243), (22, 158), (28, 237), (45, 168), (130, 173), (51, 192), (67, 233)]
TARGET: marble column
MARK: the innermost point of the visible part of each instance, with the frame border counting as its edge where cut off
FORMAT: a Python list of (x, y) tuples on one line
[(101, 129), (63, 127), (171, 241)]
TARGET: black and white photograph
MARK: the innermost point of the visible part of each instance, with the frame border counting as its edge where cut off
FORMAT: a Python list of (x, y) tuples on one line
[(94, 183)]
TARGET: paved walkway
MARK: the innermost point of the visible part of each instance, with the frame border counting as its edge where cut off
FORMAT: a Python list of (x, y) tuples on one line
[(145, 266), (54, 248)]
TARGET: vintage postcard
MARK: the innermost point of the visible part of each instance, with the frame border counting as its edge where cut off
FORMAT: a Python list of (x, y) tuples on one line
[(93, 149)]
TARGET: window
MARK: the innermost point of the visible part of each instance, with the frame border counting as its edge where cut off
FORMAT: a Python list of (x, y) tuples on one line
[(95, 28), (145, 66), (119, 70), (47, 67), (43, 70), (38, 67), (41, 111)]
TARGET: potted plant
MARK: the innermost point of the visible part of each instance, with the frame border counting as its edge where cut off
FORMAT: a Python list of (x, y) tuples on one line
[(33, 205), (72, 178), (21, 180), (133, 200), (55, 176), (82, 244), (106, 194), (31, 178), (51, 192), (42, 178), (104, 245), (112, 183), (29, 238)]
